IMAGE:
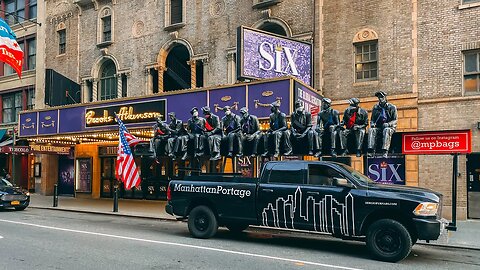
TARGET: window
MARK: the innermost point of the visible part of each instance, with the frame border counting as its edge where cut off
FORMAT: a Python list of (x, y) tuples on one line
[(108, 81), (366, 61), (12, 105), (31, 99), (32, 51), (16, 9), (286, 174), (471, 76), (321, 175), (107, 29), (231, 67), (32, 12), (175, 14), (176, 11), (62, 41)]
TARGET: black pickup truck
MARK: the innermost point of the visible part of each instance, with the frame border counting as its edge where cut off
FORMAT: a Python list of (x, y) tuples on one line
[(324, 197)]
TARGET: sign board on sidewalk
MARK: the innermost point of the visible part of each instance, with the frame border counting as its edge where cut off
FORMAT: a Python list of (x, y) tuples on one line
[(437, 142)]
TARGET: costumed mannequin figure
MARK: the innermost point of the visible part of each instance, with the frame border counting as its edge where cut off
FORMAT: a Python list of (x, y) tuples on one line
[(213, 133), (278, 129), (383, 121), (196, 128), (250, 131), (161, 135), (355, 119), (301, 126), (231, 128), (328, 121), (178, 136)]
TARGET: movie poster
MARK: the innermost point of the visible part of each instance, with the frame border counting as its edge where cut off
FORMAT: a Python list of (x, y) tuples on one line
[(65, 176)]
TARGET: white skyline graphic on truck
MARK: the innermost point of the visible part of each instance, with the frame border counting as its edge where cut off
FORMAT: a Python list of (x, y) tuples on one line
[(324, 215)]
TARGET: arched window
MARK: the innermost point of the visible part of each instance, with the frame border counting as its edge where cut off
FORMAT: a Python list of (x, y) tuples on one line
[(274, 28), (108, 81), (178, 71)]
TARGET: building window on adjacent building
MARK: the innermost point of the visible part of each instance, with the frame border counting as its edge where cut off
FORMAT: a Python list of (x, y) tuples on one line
[(32, 52), (471, 76), (32, 11), (124, 85), (175, 13), (366, 61), (15, 10), (108, 81), (31, 99), (62, 41), (12, 105)]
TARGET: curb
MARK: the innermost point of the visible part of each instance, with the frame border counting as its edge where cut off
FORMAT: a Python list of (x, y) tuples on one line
[(448, 246), (118, 214), (176, 220)]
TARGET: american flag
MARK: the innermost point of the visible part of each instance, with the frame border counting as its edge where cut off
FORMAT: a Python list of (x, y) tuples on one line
[(126, 170)]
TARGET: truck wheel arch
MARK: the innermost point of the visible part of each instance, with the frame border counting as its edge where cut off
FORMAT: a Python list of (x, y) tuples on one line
[(391, 214), (201, 201)]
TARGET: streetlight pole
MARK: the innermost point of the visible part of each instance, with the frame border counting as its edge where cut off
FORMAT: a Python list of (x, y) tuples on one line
[(13, 158)]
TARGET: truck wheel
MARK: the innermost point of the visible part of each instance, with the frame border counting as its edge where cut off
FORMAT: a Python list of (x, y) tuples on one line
[(202, 222), (388, 240), (237, 228)]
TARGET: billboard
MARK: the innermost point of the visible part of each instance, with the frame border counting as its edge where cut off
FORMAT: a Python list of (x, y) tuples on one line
[(263, 55)]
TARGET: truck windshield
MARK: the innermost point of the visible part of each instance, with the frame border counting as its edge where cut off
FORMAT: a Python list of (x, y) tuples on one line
[(5, 183), (357, 175)]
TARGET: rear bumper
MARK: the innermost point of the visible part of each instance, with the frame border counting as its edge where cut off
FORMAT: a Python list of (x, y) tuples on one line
[(169, 208), (428, 229)]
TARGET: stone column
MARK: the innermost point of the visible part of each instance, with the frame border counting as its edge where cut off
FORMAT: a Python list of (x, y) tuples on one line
[(119, 84), (205, 71), (193, 75), (95, 90), (160, 71), (149, 81)]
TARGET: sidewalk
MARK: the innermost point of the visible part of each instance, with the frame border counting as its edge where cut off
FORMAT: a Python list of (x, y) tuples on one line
[(466, 236)]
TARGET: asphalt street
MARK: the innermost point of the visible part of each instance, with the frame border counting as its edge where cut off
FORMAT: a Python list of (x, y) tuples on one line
[(48, 239)]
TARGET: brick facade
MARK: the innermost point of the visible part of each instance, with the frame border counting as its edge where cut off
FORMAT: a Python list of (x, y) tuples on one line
[(139, 35)]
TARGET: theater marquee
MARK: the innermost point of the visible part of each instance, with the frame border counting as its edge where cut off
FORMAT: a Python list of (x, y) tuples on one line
[(129, 113)]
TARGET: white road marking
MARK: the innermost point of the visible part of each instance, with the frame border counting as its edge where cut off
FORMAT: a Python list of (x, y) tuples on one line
[(182, 245), (1, 237)]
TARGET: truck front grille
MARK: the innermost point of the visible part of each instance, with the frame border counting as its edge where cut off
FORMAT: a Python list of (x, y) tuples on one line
[(10, 197)]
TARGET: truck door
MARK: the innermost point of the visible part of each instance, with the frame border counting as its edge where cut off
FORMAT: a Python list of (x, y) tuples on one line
[(329, 207), (276, 198)]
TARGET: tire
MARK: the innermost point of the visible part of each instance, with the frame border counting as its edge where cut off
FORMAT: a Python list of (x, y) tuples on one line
[(237, 227), (388, 240), (202, 222), (21, 208)]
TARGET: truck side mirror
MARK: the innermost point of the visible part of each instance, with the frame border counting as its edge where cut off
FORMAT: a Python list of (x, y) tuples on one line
[(342, 182)]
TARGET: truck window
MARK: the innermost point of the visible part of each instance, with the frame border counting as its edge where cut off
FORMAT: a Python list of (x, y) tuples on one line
[(321, 175), (286, 174)]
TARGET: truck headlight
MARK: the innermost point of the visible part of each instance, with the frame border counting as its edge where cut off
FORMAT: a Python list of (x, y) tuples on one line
[(426, 209)]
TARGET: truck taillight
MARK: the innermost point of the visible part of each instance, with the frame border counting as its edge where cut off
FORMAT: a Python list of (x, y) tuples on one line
[(169, 193)]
